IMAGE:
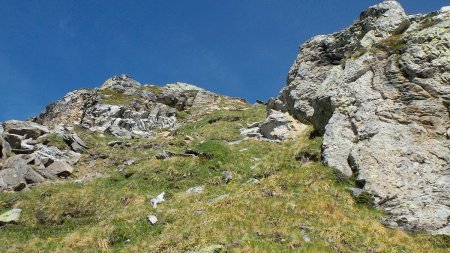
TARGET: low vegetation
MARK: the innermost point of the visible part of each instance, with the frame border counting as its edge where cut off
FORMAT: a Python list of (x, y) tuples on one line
[(280, 199)]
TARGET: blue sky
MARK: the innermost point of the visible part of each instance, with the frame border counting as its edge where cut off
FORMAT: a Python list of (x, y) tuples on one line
[(240, 48)]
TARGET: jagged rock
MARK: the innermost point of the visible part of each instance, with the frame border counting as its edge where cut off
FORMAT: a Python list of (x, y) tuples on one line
[(59, 168), (123, 108), (378, 93), (24, 128), (16, 175), (254, 132), (11, 216), (45, 153), (75, 143), (5, 149), (14, 140)]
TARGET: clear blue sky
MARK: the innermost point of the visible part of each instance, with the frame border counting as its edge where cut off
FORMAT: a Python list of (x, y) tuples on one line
[(240, 48)]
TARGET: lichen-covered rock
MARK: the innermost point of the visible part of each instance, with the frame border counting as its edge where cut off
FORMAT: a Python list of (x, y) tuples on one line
[(26, 129), (379, 93)]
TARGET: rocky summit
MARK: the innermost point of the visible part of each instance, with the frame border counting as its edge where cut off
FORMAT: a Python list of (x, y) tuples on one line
[(351, 156)]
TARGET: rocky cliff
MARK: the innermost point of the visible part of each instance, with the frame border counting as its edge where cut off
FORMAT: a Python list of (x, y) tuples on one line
[(378, 91)]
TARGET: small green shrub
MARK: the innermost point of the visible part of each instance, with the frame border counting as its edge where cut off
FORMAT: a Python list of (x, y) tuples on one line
[(427, 23), (365, 198), (394, 44)]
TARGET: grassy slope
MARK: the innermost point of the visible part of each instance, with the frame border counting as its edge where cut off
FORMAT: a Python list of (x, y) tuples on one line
[(109, 214)]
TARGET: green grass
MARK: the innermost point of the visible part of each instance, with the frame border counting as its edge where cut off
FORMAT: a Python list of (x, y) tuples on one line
[(297, 198), (394, 44), (116, 98), (54, 140)]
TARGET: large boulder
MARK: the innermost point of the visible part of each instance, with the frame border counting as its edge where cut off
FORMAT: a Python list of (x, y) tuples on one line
[(378, 93), (17, 174), (58, 168), (26, 129)]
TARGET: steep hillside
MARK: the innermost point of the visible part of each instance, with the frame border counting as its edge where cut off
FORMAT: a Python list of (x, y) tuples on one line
[(352, 156)]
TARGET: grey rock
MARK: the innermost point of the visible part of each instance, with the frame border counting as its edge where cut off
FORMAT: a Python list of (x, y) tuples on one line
[(196, 190), (49, 154), (253, 132), (89, 177), (180, 87), (144, 108), (24, 128), (14, 140), (115, 143), (383, 112), (280, 126), (122, 84), (227, 176), (59, 168), (17, 174), (11, 216), (5, 149), (75, 143)]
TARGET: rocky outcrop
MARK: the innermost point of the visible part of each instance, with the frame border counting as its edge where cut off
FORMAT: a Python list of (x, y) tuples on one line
[(379, 94), (27, 161), (124, 108), (278, 126)]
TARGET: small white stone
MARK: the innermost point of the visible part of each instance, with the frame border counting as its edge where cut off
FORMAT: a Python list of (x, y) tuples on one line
[(152, 219)]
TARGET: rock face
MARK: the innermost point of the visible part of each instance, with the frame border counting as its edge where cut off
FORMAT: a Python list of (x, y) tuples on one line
[(379, 94), (124, 108)]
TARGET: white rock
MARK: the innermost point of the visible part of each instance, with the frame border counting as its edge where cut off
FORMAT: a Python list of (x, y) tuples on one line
[(159, 199), (11, 216), (152, 219)]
